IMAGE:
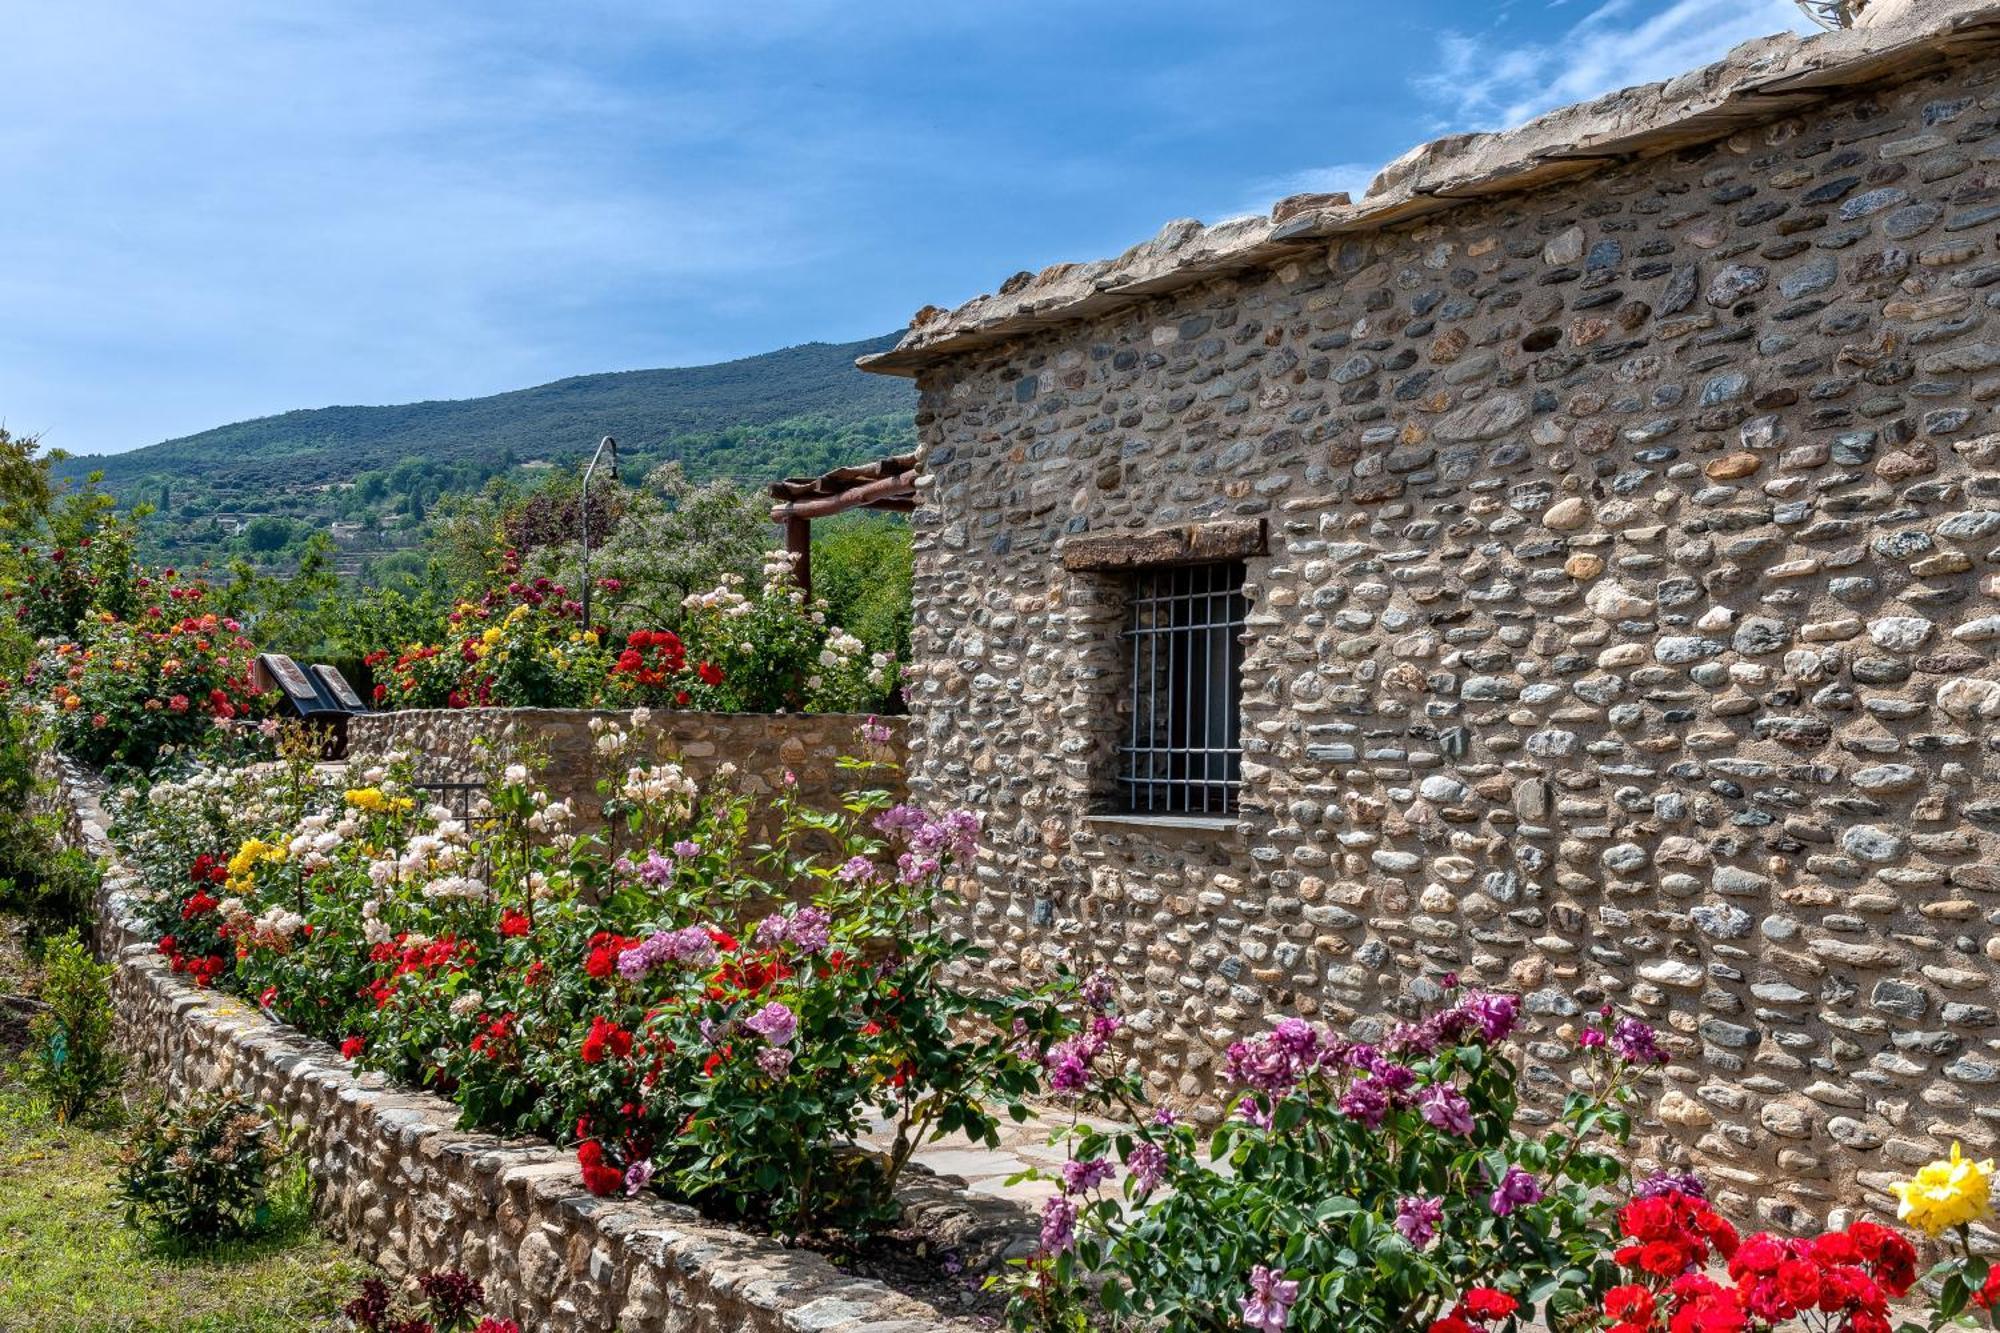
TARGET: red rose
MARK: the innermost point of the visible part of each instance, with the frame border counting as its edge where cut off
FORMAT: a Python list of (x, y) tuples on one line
[(710, 673), (1487, 1303), (513, 924), (598, 1178), (1665, 1258), (1799, 1280), (1760, 1254), (1630, 1304), (351, 1048)]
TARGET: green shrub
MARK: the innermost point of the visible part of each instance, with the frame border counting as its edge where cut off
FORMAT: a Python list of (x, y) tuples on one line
[(70, 1059), (50, 890), (201, 1171)]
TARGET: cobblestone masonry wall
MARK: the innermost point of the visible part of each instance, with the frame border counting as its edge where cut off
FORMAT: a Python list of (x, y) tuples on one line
[(1626, 635), (762, 746), (406, 1188)]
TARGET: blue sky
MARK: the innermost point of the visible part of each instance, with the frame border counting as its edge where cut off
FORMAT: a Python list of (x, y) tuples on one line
[(217, 209)]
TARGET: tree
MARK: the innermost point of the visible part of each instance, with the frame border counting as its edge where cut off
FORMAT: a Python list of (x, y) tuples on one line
[(673, 538), (264, 535)]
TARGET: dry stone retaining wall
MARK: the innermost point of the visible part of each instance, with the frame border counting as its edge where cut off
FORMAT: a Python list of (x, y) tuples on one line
[(454, 743), (401, 1184), (1626, 634)]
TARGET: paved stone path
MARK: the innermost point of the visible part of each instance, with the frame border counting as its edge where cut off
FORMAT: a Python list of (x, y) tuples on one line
[(986, 1171)]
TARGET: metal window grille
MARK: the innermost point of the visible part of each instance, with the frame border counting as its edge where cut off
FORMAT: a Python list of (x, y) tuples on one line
[(1184, 752)]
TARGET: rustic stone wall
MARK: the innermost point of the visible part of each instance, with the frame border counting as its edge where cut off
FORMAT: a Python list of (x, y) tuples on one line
[(400, 1183), (461, 743), (1626, 633)]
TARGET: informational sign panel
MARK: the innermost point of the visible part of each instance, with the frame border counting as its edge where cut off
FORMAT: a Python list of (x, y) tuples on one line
[(299, 689), (335, 687)]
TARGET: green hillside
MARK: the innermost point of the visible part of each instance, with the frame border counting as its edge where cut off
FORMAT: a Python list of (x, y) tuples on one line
[(642, 408), (368, 476)]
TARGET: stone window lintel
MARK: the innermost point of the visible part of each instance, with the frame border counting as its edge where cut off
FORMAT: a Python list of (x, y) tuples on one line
[(1192, 543)]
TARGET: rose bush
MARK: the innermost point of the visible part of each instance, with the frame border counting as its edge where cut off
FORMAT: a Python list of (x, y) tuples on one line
[(688, 1010), (122, 691), (524, 645), (1355, 1185)]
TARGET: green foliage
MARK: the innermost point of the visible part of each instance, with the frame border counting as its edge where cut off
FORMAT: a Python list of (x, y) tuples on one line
[(286, 613), (70, 1058), (47, 886), (675, 537), (861, 568), (202, 1171), (1378, 1184), (51, 888)]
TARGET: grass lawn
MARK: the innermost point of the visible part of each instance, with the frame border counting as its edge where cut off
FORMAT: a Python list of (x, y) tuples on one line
[(68, 1263)]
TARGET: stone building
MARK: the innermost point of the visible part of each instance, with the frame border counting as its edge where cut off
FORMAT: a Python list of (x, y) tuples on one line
[(1575, 566)]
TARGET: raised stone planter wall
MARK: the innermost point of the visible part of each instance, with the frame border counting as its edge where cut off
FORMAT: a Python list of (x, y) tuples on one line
[(400, 1184), (762, 746)]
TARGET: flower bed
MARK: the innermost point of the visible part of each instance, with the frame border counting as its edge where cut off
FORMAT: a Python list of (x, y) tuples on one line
[(645, 994), (404, 1184), (524, 644), (689, 1013)]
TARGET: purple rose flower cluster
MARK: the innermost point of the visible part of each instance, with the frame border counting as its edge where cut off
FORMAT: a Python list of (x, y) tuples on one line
[(1417, 1218), (1148, 1164), (1080, 1176), (1068, 1062), (1446, 1107), (1058, 1225), (689, 946), (1294, 1050), (1631, 1040), (1670, 1182), (1268, 1307), (775, 1023), (1279, 1061), (1491, 1016), (1636, 1043), (931, 839), (805, 929), (1515, 1189)]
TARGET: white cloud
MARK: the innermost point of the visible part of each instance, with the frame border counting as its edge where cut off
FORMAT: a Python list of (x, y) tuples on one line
[(1482, 83)]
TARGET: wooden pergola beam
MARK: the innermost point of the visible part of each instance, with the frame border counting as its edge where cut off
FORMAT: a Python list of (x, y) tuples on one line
[(869, 496), (888, 484)]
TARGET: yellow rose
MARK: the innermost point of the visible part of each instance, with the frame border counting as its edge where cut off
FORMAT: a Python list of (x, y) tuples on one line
[(1945, 1195), (368, 798), (248, 855), (491, 636)]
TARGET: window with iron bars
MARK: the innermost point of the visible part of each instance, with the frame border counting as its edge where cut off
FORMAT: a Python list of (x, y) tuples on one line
[(1183, 753)]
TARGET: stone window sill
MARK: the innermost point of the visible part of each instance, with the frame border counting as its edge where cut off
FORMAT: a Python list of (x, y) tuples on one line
[(1198, 823)]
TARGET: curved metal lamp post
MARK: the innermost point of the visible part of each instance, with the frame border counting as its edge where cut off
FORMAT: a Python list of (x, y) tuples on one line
[(606, 443)]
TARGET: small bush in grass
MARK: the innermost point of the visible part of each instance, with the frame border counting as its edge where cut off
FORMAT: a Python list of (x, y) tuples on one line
[(70, 1059), (203, 1171)]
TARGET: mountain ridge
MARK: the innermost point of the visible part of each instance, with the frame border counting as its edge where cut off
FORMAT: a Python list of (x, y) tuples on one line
[(365, 476), (643, 408)]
